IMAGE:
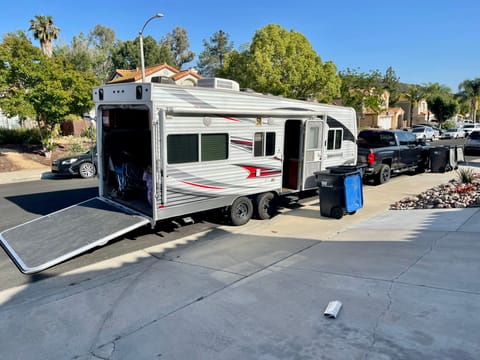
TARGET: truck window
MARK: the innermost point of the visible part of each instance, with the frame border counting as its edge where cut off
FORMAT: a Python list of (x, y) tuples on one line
[(264, 144), (335, 137)]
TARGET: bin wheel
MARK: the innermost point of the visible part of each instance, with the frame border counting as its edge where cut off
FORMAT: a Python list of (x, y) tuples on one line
[(265, 205), (336, 212), (383, 175), (352, 212), (241, 211)]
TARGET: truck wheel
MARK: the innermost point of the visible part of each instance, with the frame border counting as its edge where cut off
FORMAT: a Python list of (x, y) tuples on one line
[(241, 211), (87, 170), (383, 175), (265, 205)]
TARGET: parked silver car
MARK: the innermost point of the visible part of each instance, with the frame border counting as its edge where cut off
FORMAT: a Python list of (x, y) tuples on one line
[(453, 133), (424, 133)]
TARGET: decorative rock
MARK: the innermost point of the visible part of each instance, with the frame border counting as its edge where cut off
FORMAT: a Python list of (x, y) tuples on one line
[(444, 196)]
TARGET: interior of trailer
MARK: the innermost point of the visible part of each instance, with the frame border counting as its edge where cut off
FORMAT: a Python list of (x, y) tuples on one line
[(127, 156)]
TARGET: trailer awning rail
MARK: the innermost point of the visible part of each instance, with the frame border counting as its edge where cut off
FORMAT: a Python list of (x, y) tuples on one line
[(285, 113)]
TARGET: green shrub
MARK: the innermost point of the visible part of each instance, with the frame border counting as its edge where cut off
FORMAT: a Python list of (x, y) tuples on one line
[(465, 175), (89, 132), (77, 149), (20, 136)]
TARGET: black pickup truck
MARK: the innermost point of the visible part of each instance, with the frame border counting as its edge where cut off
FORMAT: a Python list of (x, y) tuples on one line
[(382, 153)]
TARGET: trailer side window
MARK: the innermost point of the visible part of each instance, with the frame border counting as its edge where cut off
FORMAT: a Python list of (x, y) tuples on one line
[(214, 147), (264, 144), (335, 137), (182, 148)]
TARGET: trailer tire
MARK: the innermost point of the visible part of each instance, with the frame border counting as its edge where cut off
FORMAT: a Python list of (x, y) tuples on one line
[(87, 170), (240, 212), (265, 205)]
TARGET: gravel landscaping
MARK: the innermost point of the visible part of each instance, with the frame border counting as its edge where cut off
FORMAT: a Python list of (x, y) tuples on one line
[(454, 194)]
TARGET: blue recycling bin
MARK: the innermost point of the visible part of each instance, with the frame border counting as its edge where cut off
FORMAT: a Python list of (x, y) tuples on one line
[(340, 191)]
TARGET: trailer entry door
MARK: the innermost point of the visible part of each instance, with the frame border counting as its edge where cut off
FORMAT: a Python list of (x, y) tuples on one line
[(314, 150), (51, 239)]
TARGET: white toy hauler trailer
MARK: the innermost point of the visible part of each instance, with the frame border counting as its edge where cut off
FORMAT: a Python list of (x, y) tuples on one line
[(208, 148)]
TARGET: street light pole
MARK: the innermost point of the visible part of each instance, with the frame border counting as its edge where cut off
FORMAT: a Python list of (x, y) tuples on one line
[(142, 59)]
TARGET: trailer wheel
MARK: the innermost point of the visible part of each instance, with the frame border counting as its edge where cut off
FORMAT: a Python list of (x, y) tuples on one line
[(87, 170), (241, 211), (265, 205), (383, 175)]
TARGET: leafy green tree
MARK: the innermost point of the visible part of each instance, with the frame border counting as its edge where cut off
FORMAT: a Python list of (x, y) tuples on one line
[(361, 90), (103, 42), (127, 54), (40, 87), (470, 90), (390, 83), (442, 106), (178, 44), (284, 63), (212, 57), (234, 65), (19, 64), (45, 31)]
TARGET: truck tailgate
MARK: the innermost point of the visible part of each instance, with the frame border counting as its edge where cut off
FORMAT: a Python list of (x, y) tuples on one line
[(53, 238)]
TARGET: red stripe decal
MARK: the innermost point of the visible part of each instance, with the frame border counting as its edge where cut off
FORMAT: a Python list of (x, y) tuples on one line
[(259, 172), (200, 185)]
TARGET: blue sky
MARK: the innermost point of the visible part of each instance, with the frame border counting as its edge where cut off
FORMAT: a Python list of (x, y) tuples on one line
[(423, 41)]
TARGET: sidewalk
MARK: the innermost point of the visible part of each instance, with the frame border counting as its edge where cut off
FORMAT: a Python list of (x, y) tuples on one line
[(25, 175), (408, 282)]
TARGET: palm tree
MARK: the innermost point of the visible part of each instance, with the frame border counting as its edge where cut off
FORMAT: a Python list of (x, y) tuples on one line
[(414, 94), (471, 90), (44, 30)]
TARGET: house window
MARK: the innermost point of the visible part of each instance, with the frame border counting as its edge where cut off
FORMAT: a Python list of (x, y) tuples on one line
[(264, 144), (184, 148), (335, 137)]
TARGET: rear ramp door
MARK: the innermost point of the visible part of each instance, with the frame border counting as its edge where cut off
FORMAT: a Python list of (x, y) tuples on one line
[(51, 239)]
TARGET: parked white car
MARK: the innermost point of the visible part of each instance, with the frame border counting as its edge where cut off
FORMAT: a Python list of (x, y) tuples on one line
[(424, 133), (468, 128)]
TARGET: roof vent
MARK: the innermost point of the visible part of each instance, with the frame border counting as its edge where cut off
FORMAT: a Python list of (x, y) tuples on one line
[(218, 83)]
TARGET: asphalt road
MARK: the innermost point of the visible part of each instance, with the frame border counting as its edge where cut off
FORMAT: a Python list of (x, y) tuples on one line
[(25, 201)]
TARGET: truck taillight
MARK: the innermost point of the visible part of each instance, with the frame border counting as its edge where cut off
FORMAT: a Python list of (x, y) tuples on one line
[(371, 158)]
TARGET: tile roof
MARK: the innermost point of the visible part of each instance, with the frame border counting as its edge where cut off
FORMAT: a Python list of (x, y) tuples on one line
[(122, 75)]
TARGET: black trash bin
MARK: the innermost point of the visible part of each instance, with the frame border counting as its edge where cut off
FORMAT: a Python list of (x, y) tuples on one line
[(442, 159), (340, 191)]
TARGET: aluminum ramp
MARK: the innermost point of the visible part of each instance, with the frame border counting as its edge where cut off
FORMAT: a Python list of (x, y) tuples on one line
[(41, 243)]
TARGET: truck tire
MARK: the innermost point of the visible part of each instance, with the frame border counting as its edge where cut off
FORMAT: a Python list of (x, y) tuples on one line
[(265, 205), (383, 175), (241, 211)]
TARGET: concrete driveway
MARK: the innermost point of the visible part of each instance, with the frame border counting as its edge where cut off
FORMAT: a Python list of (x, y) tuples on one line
[(408, 280)]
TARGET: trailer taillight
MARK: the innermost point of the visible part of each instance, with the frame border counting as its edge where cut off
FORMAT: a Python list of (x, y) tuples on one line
[(371, 158), (139, 91)]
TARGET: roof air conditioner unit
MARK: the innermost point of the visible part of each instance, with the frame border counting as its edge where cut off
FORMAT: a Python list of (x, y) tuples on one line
[(218, 83)]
